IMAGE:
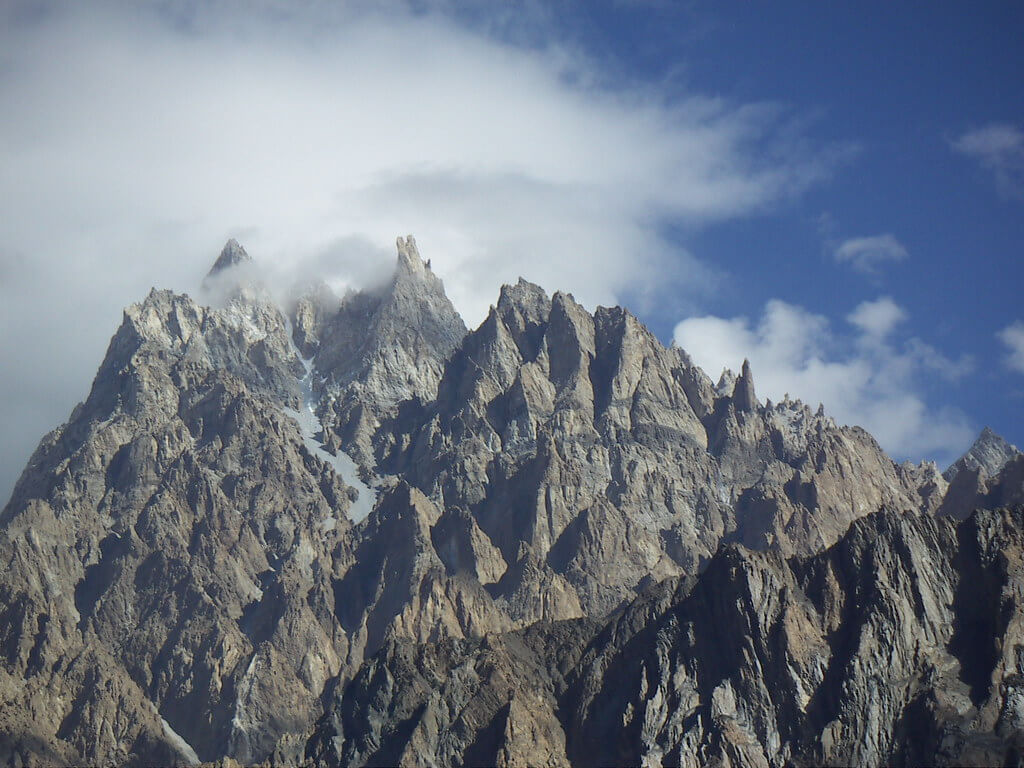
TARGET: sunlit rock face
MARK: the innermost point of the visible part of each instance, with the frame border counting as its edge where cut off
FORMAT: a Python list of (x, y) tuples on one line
[(347, 530), (989, 454)]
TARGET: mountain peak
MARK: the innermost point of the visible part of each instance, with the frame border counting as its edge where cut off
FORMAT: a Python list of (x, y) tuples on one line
[(989, 436), (231, 255), (989, 453), (743, 394), (382, 348)]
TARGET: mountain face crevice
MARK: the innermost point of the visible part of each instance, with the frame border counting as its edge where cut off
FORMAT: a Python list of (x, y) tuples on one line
[(580, 550)]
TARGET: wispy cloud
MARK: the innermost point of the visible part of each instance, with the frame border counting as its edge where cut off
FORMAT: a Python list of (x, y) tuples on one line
[(863, 375), (867, 254), (877, 319), (140, 136), (1013, 337), (999, 148)]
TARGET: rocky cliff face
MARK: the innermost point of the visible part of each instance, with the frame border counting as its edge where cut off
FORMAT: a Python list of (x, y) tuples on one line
[(557, 498), (377, 350), (168, 552), (899, 645), (595, 459)]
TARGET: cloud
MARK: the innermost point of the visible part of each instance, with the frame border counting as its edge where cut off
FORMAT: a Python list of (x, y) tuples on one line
[(877, 319), (999, 148), (867, 254), (862, 375), (1013, 337), (140, 136)]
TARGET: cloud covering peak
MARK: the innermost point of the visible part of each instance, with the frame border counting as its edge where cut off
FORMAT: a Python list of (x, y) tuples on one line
[(146, 134)]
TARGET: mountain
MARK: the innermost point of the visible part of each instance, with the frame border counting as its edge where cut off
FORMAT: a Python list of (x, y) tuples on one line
[(989, 453), (899, 645), (231, 255), (350, 531)]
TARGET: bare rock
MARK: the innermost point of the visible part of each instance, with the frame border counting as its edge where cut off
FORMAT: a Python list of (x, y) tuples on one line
[(989, 453), (895, 646), (581, 551)]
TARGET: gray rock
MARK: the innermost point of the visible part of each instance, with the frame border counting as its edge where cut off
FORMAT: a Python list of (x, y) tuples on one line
[(989, 453), (231, 255), (899, 645), (743, 396), (559, 499), (596, 460)]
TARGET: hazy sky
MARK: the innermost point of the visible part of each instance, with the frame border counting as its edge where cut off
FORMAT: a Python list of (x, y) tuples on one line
[(834, 191)]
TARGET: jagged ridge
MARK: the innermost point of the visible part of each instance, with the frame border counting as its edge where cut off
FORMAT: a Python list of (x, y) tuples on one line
[(179, 541)]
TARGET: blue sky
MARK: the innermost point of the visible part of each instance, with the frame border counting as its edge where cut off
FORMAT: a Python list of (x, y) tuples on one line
[(899, 85), (834, 190), (903, 82)]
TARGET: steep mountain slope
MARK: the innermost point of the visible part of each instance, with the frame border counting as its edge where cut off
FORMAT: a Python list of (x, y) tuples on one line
[(174, 539), (378, 349), (182, 580), (899, 645), (594, 458)]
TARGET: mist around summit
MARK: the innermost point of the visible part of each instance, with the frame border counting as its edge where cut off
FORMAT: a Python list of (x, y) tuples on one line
[(512, 144)]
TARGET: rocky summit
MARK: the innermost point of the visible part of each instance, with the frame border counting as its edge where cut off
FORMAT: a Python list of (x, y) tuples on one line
[(347, 531)]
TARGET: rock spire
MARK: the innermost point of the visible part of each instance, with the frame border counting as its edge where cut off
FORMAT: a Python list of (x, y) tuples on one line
[(231, 255)]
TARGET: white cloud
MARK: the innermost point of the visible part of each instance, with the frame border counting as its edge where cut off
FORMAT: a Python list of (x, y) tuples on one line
[(864, 377), (866, 254), (878, 318), (999, 148), (138, 136), (1013, 337)]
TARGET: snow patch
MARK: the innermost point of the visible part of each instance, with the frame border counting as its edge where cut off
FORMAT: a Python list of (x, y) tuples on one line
[(311, 429)]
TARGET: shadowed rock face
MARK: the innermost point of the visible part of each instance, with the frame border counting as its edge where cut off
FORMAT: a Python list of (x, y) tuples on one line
[(560, 499), (899, 645)]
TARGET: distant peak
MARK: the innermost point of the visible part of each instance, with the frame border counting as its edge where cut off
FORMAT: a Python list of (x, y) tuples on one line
[(989, 435), (989, 453), (989, 438), (231, 255)]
